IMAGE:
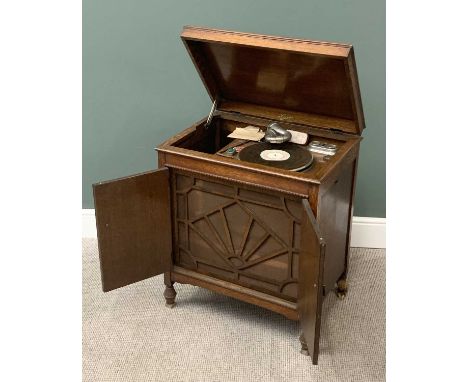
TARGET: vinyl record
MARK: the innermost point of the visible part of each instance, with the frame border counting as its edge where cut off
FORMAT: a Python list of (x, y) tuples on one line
[(287, 156)]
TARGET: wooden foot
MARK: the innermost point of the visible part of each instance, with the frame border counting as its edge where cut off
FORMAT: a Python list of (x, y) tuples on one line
[(304, 348), (341, 289), (170, 295)]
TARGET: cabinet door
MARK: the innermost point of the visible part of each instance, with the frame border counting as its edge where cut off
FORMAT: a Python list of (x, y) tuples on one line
[(310, 292), (134, 228)]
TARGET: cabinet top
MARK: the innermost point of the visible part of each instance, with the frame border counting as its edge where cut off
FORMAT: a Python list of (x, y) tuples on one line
[(313, 83)]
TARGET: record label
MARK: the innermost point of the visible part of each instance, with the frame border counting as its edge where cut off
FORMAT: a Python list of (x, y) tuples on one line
[(286, 156), (275, 155)]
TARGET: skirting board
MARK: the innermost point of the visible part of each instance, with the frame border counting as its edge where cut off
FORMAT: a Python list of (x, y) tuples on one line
[(366, 232)]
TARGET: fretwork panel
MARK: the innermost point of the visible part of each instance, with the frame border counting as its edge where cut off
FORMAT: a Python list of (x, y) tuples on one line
[(237, 234)]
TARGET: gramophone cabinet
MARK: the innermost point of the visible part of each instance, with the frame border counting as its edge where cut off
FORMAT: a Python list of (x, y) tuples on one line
[(275, 238)]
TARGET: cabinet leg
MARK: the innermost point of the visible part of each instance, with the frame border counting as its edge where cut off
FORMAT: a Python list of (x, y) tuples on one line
[(170, 295), (304, 348), (341, 288)]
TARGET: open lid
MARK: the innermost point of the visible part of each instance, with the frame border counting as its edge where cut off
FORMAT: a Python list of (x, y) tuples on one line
[(307, 82)]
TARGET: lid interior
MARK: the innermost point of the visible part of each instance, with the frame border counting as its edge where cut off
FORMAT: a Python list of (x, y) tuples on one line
[(317, 85)]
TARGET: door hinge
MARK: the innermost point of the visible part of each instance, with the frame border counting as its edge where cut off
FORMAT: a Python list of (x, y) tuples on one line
[(212, 112), (324, 290)]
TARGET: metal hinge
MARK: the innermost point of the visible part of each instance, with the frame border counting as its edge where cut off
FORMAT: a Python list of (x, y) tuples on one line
[(210, 116), (337, 131)]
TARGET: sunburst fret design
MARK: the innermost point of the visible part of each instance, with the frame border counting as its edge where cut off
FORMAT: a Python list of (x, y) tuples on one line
[(238, 234)]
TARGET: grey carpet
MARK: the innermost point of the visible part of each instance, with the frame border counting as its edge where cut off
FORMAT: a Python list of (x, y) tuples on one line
[(129, 335)]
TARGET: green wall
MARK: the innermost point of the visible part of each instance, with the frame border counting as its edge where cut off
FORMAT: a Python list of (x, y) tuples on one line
[(140, 87)]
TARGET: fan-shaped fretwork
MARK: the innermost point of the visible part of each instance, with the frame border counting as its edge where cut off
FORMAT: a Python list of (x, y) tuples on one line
[(238, 234)]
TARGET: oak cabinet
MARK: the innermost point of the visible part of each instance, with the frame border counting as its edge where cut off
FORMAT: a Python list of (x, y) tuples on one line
[(272, 237)]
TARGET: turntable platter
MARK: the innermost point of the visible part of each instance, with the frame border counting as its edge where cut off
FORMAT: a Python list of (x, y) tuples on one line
[(287, 156)]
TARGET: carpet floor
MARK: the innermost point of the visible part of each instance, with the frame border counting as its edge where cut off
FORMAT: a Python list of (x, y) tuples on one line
[(129, 335)]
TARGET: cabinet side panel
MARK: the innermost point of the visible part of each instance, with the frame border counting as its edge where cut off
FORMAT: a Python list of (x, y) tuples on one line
[(333, 218), (246, 235)]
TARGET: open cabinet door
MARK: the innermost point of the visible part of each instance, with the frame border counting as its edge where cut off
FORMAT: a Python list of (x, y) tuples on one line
[(133, 228), (310, 293)]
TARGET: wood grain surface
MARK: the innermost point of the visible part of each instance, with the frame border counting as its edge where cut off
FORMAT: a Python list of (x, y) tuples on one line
[(133, 228)]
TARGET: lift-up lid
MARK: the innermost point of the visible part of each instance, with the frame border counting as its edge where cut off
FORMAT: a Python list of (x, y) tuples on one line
[(307, 82)]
